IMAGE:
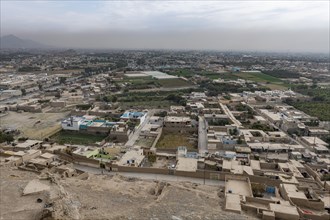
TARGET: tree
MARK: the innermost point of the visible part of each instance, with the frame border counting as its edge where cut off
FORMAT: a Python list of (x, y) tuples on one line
[(105, 98), (114, 98), (239, 141), (62, 80), (6, 137), (23, 91)]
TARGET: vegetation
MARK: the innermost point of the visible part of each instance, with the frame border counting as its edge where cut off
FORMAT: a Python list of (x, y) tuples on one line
[(84, 106), (233, 132), (6, 137), (161, 114), (28, 69), (282, 73), (258, 189), (177, 99), (219, 123), (326, 177), (316, 109), (23, 92), (64, 137), (269, 81), (152, 158), (145, 142), (174, 140), (258, 77), (215, 89), (170, 83), (263, 127), (319, 105), (150, 99), (317, 94), (327, 140)]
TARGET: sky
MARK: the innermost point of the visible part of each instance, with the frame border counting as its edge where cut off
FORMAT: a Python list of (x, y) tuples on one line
[(287, 26)]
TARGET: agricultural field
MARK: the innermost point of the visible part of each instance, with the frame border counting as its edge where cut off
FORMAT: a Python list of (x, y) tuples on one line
[(316, 109), (150, 83), (184, 73), (64, 137), (152, 99), (317, 94), (140, 82), (145, 142), (264, 79), (209, 74), (170, 83), (146, 104), (319, 105), (174, 140)]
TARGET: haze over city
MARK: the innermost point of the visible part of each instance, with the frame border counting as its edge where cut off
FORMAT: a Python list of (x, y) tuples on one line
[(285, 26)]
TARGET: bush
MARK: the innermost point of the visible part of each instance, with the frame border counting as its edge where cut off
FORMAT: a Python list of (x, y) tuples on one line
[(6, 137), (22, 139), (152, 158)]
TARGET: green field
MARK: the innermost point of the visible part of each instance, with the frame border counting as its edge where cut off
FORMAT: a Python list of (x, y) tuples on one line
[(316, 109), (146, 104), (64, 137), (171, 83), (183, 72), (174, 140), (209, 74), (145, 142), (264, 79)]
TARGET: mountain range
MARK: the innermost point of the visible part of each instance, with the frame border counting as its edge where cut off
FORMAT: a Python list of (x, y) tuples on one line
[(14, 42)]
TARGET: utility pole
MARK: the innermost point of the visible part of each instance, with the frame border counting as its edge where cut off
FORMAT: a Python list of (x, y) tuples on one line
[(204, 173)]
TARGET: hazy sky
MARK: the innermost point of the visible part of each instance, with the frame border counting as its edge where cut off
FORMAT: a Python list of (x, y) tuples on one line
[(225, 25)]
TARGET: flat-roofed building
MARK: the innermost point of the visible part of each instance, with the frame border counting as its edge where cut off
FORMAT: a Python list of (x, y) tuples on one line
[(284, 211), (73, 123), (27, 145), (318, 132), (186, 164), (177, 122), (133, 158)]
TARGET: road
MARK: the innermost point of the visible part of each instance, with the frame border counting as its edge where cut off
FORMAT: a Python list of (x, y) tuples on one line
[(136, 134), (230, 115), (202, 135), (150, 176)]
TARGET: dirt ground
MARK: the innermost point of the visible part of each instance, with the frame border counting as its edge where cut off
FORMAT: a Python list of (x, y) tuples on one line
[(33, 125), (107, 197)]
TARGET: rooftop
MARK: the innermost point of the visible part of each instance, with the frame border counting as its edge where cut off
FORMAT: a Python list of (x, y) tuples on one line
[(186, 164), (176, 119)]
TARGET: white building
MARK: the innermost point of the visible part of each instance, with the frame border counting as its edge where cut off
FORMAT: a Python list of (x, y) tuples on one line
[(72, 123)]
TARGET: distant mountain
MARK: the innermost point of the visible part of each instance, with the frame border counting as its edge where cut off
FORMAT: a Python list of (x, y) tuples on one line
[(13, 42)]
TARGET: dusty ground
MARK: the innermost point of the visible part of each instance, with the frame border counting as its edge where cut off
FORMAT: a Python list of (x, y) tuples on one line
[(26, 122), (105, 197), (12, 204)]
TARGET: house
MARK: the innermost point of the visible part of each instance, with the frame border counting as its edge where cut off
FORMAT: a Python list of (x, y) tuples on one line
[(177, 122), (134, 116), (132, 158), (186, 164), (27, 145), (73, 123), (217, 119)]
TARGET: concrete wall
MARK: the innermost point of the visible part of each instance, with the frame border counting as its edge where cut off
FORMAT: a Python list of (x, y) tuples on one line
[(96, 130), (313, 216), (178, 129), (269, 166), (29, 156), (140, 169)]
